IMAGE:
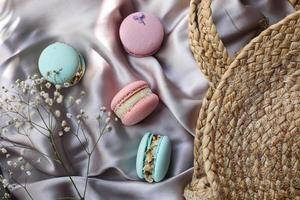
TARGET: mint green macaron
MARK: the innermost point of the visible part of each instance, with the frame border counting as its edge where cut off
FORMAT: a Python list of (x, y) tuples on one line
[(153, 157), (61, 64)]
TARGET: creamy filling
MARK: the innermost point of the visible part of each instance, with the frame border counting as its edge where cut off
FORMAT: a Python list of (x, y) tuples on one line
[(130, 102), (149, 160), (77, 76)]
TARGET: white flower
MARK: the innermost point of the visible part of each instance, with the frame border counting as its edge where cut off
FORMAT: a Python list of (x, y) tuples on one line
[(63, 123), (60, 133), (59, 99), (4, 131), (103, 109), (67, 129), (57, 113), (18, 124), (67, 85), (69, 115), (5, 183), (82, 93), (33, 92), (48, 85), (9, 162), (22, 167), (108, 128), (78, 101), (28, 173), (3, 150), (49, 101), (56, 93), (7, 155), (45, 95)]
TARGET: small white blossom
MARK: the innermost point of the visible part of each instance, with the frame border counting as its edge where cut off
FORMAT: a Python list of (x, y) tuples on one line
[(67, 129), (56, 93), (22, 167), (59, 99), (48, 85), (28, 173), (33, 92), (66, 85), (9, 162), (82, 93), (57, 113), (18, 124), (3, 150), (69, 115), (78, 101), (108, 128), (60, 133), (4, 130), (103, 109), (5, 183), (63, 123)]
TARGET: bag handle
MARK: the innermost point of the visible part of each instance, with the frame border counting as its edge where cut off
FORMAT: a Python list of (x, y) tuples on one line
[(206, 45)]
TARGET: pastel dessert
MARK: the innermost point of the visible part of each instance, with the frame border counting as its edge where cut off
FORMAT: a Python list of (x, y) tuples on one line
[(141, 34), (60, 63), (134, 102), (153, 157)]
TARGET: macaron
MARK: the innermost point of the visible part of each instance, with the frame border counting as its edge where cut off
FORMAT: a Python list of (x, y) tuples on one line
[(61, 64), (153, 157), (134, 102), (141, 34)]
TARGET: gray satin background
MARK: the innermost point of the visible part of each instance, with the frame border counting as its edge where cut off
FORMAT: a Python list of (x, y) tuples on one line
[(26, 27)]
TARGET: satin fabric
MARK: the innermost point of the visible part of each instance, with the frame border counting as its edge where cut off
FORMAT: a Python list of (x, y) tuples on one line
[(92, 28), (26, 27)]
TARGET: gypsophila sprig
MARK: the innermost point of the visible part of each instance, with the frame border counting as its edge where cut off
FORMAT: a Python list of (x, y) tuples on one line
[(32, 108)]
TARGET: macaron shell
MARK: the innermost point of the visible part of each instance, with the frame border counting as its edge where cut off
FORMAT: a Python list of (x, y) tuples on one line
[(140, 110), (59, 57), (140, 157), (162, 159), (141, 39), (124, 93)]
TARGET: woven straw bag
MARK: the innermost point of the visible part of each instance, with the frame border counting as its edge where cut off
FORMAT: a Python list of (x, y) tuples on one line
[(247, 141)]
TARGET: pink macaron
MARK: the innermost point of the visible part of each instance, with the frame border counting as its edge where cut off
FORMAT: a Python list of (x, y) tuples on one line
[(134, 102), (141, 34)]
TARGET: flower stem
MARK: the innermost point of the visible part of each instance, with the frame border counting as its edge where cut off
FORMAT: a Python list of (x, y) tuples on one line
[(56, 153)]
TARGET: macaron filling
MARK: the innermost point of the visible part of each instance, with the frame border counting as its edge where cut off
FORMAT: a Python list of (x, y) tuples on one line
[(126, 106), (150, 158), (80, 72)]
